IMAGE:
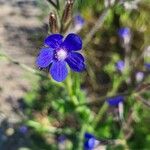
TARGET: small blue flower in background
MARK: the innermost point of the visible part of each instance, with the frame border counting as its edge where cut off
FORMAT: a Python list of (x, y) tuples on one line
[(23, 129), (58, 53), (61, 139), (114, 101), (62, 142), (125, 34), (120, 65), (78, 22), (90, 142), (147, 65), (139, 76)]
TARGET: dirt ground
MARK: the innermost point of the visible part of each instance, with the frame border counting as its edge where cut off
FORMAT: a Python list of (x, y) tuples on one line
[(19, 24)]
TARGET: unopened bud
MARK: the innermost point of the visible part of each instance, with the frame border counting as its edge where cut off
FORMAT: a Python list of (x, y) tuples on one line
[(67, 11), (53, 23)]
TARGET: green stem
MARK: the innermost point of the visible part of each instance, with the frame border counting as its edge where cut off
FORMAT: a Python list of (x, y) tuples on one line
[(123, 139), (104, 108), (81, 137), (76, 85), (29, 69), (58, 5), (69, 88), (100, 114), (96, 27)]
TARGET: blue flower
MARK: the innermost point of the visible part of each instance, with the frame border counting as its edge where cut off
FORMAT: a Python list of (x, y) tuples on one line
[(125, 34), (79, 21), (147, 65), (90, 141), (120, 65), (114, 101), (23, 129), (61, 139), (57, 53)]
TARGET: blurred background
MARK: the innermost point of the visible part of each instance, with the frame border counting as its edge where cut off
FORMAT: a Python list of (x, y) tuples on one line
[(116, 46)]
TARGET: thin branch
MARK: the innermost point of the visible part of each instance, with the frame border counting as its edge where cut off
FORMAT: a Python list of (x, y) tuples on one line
[(96, 27), (58, 5), (21, 65), (102, 99), (51, 2), (29, 69), (133, 93), (144, 101)]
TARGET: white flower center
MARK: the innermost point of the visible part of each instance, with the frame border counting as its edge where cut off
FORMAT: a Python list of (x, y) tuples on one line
[(61, 54)]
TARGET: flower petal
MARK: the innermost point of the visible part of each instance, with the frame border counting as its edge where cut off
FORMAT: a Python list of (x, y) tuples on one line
[(88, 135), (59, 70), (114, 101), (54, 40), (76, 61), (45, 57), (73, 42), (147, 65), (89, 144)]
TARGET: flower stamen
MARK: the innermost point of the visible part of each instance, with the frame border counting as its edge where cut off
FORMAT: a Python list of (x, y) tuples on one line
[(61, 54)]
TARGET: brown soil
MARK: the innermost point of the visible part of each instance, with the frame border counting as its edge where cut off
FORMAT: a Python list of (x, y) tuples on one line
[(20, 28)]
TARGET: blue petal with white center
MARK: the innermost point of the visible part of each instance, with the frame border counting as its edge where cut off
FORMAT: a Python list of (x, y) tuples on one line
[(78, 23), (73, 42), (114, 101), (124, 32), (76, 62), (45, 57), (59, 53), (59, 71), (90, 141), (79, 20), (120, 65)]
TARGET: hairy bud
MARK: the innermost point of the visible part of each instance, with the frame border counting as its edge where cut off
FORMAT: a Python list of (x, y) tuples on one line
[(67, 14), (53, 23)]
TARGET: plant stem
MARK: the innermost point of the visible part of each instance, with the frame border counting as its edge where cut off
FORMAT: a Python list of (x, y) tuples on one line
[(104, 108), (98, 24), (81, 137), (52, 3), (69, 88), (100, 114), (29, 69), (58, 5)]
